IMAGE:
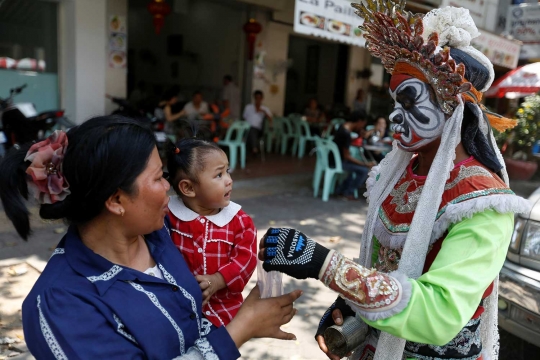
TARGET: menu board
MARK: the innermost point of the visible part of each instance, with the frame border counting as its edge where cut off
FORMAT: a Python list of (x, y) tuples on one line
[(330, 19)]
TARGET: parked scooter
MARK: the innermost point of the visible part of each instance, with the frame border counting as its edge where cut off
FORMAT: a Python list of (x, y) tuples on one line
[(21, 123)]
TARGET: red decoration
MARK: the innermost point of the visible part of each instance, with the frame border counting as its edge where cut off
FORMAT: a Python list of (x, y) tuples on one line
[(159, 9), (252, 28)]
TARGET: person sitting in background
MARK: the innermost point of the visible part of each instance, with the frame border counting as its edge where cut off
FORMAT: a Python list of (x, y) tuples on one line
[(196, 108), (358, 170), (170, 101), (255, 114), (359, 102), (378, 136), (314, 116)]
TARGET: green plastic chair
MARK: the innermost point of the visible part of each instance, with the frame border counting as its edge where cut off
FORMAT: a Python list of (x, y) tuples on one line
[(235, 139), (288, 131), (304, 135), (269, 134), (332, 128), (277, 132), (326, 147)]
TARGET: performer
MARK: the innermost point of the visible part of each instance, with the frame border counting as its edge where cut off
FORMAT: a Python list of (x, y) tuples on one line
[(440, 213)]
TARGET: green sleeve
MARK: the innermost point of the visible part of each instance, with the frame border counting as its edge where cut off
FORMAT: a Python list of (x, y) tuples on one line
[(445, 298)]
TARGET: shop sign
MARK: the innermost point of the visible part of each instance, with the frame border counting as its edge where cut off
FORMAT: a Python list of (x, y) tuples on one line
[(523, 23), (331, 19), (498, 50), (477, 9)]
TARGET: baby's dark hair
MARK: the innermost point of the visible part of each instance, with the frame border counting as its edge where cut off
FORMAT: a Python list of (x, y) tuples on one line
[(185, 159)]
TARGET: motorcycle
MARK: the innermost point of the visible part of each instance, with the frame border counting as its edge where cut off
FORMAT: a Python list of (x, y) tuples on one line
[(21, 123)]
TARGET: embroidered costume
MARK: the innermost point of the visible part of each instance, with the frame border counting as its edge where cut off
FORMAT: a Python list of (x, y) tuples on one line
[(224, 243), (432, 246), (134, 315)]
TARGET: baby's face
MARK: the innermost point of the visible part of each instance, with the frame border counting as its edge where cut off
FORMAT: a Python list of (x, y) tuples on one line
[(214, 186)]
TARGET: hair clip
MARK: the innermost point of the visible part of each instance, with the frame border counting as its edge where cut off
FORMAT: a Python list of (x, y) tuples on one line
[(176, 150)]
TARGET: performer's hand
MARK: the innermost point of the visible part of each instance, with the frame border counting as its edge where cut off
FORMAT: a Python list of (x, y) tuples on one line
[(210, 284), (335, 314), (291, 252)]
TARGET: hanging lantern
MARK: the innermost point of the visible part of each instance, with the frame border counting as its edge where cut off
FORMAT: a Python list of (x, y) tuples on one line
[(159, 9), (252, 28)]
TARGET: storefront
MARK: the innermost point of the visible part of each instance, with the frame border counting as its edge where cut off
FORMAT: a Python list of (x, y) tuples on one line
[(29, 51)]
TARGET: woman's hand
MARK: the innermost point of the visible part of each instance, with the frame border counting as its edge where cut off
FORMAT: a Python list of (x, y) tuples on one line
[(263, 317), (210, 284), (292, 252)]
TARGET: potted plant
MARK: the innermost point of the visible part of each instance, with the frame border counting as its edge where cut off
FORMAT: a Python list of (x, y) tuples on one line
[(519, 145)]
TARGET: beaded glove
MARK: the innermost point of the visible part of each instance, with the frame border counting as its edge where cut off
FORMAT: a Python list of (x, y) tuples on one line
[(293, 253), (327, 320)]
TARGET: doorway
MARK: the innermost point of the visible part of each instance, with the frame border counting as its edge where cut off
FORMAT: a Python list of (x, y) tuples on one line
[(319, 70)]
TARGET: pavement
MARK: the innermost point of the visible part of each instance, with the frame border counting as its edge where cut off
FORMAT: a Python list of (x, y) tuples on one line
[(275, 200)]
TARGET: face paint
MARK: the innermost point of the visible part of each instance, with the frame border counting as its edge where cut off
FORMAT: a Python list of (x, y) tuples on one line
[(416, 119)]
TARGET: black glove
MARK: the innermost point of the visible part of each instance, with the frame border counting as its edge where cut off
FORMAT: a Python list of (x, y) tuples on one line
[(327, 320), (293, 253)]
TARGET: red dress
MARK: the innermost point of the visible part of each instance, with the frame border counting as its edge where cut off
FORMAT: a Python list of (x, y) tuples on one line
[(225, 242)]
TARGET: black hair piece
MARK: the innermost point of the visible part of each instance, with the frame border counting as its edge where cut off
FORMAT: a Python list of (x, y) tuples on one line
[(474, 141)]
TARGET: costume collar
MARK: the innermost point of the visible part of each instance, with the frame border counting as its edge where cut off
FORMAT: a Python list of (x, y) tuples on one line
[(182, 212), (100, 271)]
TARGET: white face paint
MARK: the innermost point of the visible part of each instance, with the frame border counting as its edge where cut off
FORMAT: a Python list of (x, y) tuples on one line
[(416, 119)]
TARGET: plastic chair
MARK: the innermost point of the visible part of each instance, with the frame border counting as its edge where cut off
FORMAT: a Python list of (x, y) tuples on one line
[(288, 131), (235, 139), (325, 148), (336, 123), (304, 135)]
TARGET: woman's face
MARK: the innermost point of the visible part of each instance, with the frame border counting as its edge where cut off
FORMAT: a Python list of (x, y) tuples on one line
[(381, 123), (146, 209)]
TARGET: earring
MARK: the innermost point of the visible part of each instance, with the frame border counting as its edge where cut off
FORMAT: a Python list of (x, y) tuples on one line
[(122, 212)]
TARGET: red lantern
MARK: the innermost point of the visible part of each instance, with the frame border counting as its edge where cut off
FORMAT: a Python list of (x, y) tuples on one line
[(252, 28), (159, 9)]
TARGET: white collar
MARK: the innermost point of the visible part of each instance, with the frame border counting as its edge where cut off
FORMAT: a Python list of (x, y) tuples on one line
[(182, 212)]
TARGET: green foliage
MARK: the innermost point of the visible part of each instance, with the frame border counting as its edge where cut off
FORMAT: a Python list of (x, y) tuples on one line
[(527, 132)]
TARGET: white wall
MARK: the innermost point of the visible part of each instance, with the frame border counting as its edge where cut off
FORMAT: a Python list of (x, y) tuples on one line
[(115, 79), (83, 44), (359, 59)]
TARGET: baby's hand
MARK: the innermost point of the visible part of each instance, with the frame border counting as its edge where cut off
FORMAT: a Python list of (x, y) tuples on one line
[(210, 284)]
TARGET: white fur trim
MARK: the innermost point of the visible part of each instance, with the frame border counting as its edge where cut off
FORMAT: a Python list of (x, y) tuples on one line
[(405, 292), (457, 212), (455, 26)]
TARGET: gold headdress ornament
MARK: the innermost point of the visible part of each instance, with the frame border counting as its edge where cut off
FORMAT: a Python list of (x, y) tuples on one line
[(395, 36)]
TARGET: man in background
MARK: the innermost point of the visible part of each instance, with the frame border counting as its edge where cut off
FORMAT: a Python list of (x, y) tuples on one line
[(358, 170), (255, 114)]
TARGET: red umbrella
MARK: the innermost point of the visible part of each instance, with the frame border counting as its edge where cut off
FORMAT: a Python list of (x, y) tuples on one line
[(522, 81)]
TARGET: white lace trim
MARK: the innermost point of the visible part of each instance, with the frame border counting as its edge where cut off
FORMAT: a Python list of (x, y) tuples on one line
[(156, 303), (120, 329), (171, 280), (48, 334), (58, 251), (206, 326), (106, 276), (182, 233), (206, 349)]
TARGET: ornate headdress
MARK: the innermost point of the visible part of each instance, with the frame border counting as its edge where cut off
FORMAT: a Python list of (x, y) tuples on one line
[(420, 46)]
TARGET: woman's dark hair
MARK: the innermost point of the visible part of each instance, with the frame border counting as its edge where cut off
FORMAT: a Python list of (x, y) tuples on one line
[(104, 154)]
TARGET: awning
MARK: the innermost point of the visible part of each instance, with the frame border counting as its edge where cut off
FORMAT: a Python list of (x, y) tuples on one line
[(520, 82), (330, 19)]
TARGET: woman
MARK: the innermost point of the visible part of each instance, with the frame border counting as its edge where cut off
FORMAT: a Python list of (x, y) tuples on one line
[(116, 286), (359, 102), (314, 116), (378, 135)]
